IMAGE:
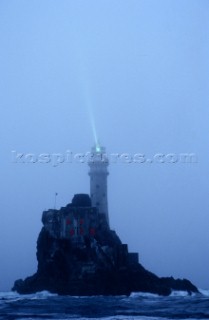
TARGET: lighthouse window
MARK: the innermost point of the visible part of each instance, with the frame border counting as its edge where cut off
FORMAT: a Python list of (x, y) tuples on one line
[(97, 186)]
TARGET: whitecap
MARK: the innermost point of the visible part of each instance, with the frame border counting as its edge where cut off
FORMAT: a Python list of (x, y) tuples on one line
[(204, 292), (43, 295), (14, 296), (8, 295), (144, 295), (175, 293)]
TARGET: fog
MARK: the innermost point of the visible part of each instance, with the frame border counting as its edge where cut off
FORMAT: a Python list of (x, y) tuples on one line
[(138, 71)]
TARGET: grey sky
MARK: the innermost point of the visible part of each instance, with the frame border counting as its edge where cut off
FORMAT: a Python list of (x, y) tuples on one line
[(141, 68)]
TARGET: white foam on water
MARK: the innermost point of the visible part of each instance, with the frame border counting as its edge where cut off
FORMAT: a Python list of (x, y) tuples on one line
[(13, 295), (43, 295), (179, 294), (9, 295), (204, 292), (174, 293), (144, 295)]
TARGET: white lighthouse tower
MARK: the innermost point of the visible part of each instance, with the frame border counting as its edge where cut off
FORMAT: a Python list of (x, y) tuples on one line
[(98, 179)]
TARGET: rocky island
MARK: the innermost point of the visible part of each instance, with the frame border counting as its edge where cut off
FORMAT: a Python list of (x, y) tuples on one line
[(78, 253)]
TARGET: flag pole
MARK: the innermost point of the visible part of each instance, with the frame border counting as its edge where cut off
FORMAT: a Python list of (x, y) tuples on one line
[(55, 200)]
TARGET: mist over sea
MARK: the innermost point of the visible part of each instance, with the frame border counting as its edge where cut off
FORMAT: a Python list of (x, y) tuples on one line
[(46, 306)]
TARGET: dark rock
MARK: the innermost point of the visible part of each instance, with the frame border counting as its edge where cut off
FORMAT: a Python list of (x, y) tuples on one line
[(81, 200), (78, 254)]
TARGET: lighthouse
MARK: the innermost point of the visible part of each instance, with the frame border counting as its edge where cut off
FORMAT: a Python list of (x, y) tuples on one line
[(98, 173)]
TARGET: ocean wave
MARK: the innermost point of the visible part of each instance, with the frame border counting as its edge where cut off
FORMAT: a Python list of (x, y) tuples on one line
[(13, 295), (143, 295), (101, 318), (175, 293), (8, 295), (43, 295), (204, 292), (138, 306)]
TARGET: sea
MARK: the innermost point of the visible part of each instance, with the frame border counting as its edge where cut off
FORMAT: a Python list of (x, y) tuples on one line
[(46, 306)]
